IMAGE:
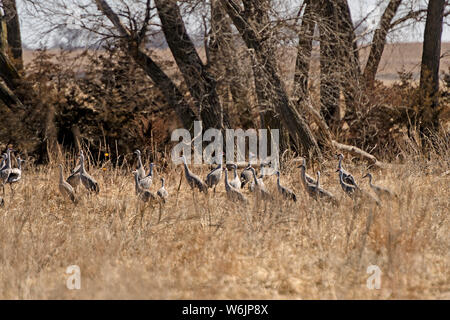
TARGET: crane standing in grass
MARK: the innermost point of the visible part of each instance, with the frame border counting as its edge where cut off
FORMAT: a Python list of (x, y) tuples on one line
[(6, 171), (313, 189), (146, 181), (214, 177), (193, 180), (162, 192), (233, 193), (346, 176), (236, 182), (285, 192), (381, 192), (88, 181), (246, 175), (75, 179), (259, 187), (64, 187), (140, 169), (143, 194), (15, 174)]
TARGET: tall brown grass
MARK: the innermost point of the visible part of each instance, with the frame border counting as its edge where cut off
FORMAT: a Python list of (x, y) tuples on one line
[(206, 247)]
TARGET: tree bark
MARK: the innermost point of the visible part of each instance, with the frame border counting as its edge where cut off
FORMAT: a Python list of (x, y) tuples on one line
[(173, 95), (305, 39), (13, 35), (350, 70), (429, 73), (291, 119), (379, 41), (201, 84), (224, 64), (329, 71)]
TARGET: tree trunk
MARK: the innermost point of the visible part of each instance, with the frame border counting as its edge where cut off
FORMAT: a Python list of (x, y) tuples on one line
[(290, 118), (429, 73), (329, 72), (201, 84), (305, 39), (13, 35), (173, 96), (224, 64), (379, 41), (350, 70)]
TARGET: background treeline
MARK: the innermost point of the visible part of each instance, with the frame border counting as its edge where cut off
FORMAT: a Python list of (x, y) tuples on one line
[(225, 64)]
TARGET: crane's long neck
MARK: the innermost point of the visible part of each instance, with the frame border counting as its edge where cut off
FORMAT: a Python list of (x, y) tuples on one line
[(370, 180), (151, 170), (254, 176), (341, 178), (227, 184), (8, 159), (61, 177), (318, 180), (82, 170), (303, 173), (139, 161), (235, 172), (340, 163), (162, 183)]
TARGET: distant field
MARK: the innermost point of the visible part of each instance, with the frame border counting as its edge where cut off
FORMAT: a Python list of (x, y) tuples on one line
[(396, 57)]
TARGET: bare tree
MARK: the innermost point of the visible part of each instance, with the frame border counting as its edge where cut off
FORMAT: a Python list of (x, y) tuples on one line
[(200, 82), (329, 71), (13, 34), (172, 94), (291, 119), (305, 40), (429, 73), (379, 41)]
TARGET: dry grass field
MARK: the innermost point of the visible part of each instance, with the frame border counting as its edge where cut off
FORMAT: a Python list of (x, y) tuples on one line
[(212, 248)]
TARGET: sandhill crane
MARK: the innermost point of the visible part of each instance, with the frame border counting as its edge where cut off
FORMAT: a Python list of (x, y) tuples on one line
[(259, 187), (246, 175), (285, 192), (307, 178), (6, 171), (162, 192), (354, 191), (15, 174), (147, 181), (143, 194), (380, 191), (322, 193), (64, 187), (233, 193), (213, 178), (346, 176), (260, 178), (313, 189), (89, 182), (236, 182), (349, 189), (140, 169), (75, 179), (193, 180)]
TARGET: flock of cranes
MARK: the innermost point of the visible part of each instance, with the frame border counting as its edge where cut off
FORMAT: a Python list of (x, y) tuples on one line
[(143, 182)]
